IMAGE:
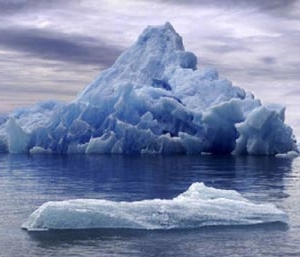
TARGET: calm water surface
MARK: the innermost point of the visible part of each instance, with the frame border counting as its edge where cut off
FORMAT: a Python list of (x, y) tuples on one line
[(28, 181)]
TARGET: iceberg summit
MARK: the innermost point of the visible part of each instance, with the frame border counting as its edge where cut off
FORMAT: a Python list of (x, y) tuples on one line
[(153, 100)]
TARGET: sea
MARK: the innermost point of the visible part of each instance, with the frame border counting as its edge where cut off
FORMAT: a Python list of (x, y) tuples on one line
[(28, 181)]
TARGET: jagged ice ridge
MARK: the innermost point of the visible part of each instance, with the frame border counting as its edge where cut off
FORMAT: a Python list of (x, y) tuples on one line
[(153, 100)]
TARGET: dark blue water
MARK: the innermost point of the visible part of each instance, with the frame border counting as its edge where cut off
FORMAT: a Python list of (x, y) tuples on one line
[(28, 181)]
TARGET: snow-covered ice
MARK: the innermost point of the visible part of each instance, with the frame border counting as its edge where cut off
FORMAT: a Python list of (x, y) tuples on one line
[(197, 207), (153, 100)]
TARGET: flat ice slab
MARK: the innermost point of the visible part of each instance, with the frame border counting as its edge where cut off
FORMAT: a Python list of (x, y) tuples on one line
[(197, 207)]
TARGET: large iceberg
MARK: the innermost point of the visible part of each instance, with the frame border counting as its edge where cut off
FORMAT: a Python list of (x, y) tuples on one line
[(153, 100), (197, 207)]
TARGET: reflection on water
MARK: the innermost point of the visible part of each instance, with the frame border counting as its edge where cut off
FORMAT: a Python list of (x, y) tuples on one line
[(135, 178)]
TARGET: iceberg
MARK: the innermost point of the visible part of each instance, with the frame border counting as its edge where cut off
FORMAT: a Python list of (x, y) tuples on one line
[(197, 207), (153, 100)]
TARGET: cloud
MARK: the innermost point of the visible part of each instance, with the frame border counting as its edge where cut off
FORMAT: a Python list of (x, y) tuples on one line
[(60, 46), (222, 44), (268, 60), (274, 7), (26, 80), (9, 7)]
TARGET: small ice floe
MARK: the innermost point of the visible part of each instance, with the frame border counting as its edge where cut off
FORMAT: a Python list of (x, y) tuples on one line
[(197, 207)]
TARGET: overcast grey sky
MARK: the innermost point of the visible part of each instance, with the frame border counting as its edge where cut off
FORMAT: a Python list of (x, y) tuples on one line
[(51, 49)]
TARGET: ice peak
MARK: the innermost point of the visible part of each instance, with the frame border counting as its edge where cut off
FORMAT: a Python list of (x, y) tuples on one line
[(161, 36), (160, 47), (157, 53)]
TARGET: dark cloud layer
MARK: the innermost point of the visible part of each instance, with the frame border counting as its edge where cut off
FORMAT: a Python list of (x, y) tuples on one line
[(275, 7), (59, 46), (8, 7), (268, 60)]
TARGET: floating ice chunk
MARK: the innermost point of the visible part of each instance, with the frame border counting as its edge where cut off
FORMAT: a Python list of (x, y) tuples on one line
[(39, 150), (289, 155), (197, 207)]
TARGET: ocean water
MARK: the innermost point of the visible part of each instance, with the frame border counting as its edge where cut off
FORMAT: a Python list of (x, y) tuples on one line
[(28, 181)]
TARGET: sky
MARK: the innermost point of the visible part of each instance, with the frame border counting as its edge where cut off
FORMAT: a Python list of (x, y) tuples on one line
[(52, 49)]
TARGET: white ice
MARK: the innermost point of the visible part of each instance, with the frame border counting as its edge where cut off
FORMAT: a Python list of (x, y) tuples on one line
[(197, 207), (153, 100), (288, 155)]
